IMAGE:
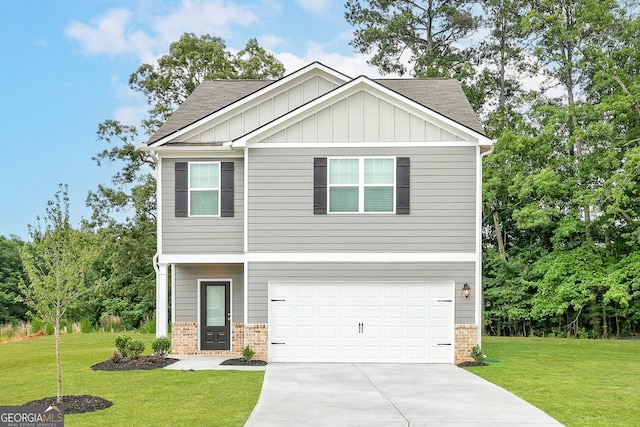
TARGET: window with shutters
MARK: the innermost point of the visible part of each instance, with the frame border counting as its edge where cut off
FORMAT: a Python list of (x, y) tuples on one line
[(204, 189), (361, 185)]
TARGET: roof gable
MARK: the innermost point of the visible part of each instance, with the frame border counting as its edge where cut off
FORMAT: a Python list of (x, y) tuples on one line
[(363, 110), (209, 113)]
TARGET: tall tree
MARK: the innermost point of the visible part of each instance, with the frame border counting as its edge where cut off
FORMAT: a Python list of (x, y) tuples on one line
[(190, 61), (57, 262), (423, 33), (124, 211)]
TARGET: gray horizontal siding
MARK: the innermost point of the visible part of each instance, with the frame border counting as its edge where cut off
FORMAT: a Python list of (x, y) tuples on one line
[(186, 297), (261, 273), (201, 235), (442, 217)]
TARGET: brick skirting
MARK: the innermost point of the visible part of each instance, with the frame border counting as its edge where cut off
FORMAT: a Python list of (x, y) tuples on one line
[(466, 339), (256, 337), (184, 340)]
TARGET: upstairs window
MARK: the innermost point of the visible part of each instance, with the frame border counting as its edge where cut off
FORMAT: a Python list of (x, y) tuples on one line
[(204, 189), (361, 185)]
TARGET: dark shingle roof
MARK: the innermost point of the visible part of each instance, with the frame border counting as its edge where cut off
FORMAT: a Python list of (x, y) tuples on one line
[(444, 96), (209, 97)]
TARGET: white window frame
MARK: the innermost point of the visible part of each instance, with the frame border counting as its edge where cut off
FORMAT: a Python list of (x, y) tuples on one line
[(361, 185), (190, 190)]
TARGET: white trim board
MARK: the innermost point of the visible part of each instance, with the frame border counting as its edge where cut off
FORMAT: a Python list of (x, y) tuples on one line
[(342, 257)]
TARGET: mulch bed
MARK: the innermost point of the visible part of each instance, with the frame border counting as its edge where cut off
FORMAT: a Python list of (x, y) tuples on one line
[(74, 404), (465, 364), (144, 363), (242, 362)]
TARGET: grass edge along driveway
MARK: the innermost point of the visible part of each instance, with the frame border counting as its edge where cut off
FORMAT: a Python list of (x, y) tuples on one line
[(140, 398), (578, 382)]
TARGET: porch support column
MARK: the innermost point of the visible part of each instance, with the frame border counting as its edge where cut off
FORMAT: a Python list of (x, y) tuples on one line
[(162, 305)]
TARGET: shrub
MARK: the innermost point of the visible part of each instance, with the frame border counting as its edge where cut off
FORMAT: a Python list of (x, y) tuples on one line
[(127, 348), (477, 355), (49, 329), (148, 325), (247, 353), (134, 349), (86, 325), (160, 346), (121, 343), (36, 325)]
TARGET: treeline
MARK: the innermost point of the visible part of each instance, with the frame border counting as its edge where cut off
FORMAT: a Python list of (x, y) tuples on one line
[(557, 84)]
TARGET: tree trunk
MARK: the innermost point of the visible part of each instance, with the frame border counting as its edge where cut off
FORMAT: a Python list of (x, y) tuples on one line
[(58, 364), (496, 225)]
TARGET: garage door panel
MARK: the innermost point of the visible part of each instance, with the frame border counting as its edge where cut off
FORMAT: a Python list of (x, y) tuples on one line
[(361, 322)]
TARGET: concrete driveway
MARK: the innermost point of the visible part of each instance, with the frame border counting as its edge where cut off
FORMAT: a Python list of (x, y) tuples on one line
[(341, 394)]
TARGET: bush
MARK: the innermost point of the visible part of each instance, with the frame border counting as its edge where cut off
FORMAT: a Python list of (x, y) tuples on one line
[(148, 325), (128, 348), (86, 325), (36, 325), (477, 355), (247, 353), (160, 346), (49, 329), (134, 349)]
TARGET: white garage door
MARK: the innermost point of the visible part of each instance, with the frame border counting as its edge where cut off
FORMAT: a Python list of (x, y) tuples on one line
[(346, 322)]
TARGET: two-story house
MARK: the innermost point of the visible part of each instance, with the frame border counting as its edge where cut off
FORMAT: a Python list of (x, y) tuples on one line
[(320, 217)]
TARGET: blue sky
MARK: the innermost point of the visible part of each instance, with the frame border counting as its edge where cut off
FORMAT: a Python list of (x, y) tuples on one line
[(66, 65)]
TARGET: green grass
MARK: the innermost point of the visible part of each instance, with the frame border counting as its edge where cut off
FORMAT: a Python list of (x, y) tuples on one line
[(140, 398), (578, 382)]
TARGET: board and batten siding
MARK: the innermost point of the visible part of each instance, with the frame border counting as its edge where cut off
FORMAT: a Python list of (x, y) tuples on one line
[(261, 273), (201, 235), (442, 204), (186, 288), (362, 116), (236, 124)]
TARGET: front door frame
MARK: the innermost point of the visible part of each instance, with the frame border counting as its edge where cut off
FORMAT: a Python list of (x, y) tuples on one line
[(228, 282)]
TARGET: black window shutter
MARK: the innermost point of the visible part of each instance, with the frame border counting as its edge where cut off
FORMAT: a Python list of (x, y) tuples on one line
[(226, 189), (402, 185), (320, 185), (182, 189)]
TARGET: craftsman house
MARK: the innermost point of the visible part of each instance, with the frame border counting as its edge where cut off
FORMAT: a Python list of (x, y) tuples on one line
[(322, 218)]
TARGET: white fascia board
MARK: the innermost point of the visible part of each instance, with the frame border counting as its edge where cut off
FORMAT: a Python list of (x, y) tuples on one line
[(202, 258), (337, 257), (183, 153), (357, 144), (245, 102), (373, 257), (376, 89)]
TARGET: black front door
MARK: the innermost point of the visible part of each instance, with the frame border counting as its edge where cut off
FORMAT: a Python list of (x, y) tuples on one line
[(215, 316)]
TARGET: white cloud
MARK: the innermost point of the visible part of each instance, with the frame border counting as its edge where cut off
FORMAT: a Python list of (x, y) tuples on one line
[(201, 17), (269, 42), (115, 33), (352, 66), (314, 6), (131, 114)]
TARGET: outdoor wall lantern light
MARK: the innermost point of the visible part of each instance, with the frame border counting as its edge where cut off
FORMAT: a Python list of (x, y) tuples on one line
[(466, 290)]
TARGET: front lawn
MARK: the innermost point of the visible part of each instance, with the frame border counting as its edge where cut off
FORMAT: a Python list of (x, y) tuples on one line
[(578, 382), (140, 398)]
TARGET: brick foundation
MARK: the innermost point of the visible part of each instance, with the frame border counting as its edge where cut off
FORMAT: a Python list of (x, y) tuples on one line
[(466, 339), (256, 337), (184, 340)]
